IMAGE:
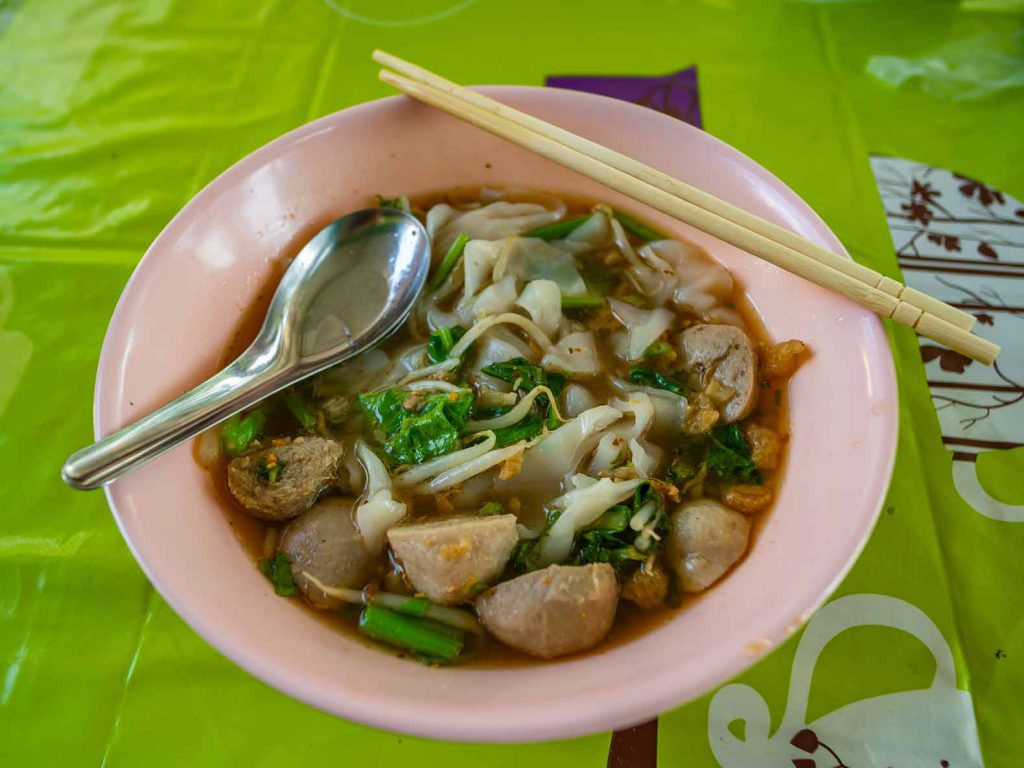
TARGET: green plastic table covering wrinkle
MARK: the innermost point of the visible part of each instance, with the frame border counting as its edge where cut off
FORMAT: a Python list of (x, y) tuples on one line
[(112, 115)]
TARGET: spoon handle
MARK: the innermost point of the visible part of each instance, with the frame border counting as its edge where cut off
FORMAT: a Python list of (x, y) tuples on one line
[(238, 386)]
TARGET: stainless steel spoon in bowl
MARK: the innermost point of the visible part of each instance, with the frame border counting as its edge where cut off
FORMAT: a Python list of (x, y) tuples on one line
[(350, 287)]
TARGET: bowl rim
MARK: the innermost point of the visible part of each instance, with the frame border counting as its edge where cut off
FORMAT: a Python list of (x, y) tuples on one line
[(403, 718)]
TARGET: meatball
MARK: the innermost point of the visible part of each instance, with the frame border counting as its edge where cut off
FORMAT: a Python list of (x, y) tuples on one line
[(548, 613), (282, 481), (727, 354), (704, 540), (326, 543), (452, 560)]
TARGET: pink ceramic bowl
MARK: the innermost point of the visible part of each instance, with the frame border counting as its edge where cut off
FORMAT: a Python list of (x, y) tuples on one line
[(185, 298)]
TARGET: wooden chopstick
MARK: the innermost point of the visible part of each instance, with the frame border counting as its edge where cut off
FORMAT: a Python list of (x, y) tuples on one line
[(681, 189), (725, 229)]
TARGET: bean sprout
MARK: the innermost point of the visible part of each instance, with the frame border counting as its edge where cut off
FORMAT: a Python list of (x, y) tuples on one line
[(445, 463), (518, 412)]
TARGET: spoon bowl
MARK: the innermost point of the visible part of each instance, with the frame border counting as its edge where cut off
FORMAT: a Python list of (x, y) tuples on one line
[(349, 288)]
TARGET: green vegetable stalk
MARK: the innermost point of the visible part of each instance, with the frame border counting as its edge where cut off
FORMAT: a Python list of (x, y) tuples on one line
[(583, 301), (559, 229), (449, 261), (238, 432), (441, 342), (269, 468), (414, 606), (651, 378), (300, 408), (279, 571), (410, 633), (614, 520), (640, 230)]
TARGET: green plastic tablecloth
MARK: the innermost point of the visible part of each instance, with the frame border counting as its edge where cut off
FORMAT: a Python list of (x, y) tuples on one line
[(112, 115)]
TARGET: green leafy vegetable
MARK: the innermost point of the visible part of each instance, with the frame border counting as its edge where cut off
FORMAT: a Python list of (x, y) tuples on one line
[(527, 429), (609, 539), (645, 493), (723, 455), (279, 571), (441, 342), (559, 229), (524, 555), (412, 437), (422, 437), (728, 456), (681, 471), (492, 508), (481, 413), (385, 408), (614, 520), (238, 432), (401, 203), (638, 229), (449, 261), (651, 378), (411, 633), (584, 301), (600, 547), (524, 376)]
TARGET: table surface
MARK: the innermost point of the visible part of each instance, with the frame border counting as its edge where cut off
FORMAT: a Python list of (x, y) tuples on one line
[(113, 115)]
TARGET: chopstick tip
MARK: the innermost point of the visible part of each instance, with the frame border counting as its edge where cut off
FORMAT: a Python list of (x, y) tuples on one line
[(385, 59)]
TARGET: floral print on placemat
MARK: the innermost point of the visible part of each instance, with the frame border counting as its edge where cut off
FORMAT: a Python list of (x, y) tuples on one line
[(962, 241)]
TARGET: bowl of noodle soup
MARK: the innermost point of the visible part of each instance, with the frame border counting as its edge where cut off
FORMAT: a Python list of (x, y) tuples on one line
[(600, 417)]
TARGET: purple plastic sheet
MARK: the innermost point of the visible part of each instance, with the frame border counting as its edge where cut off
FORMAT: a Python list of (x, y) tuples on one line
[(674, 94)]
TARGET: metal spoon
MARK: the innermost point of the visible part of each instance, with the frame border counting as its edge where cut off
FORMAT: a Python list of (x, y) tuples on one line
[(350, 287)]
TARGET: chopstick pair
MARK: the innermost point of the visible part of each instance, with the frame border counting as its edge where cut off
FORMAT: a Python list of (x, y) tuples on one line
[(884, 296)]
